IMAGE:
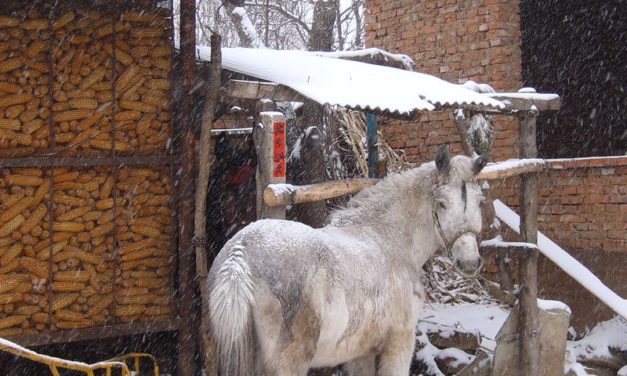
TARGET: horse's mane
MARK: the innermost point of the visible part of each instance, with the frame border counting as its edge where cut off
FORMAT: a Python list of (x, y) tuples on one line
[(418, 181)]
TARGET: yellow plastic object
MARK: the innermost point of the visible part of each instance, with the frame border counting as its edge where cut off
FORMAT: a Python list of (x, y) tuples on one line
[(136, 357), (89, 369)]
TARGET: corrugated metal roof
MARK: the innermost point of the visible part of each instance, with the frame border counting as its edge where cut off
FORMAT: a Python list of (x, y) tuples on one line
[(349, 83)]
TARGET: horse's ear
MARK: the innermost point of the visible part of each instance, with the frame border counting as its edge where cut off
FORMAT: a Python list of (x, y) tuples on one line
[(442, 159), (480, 163)]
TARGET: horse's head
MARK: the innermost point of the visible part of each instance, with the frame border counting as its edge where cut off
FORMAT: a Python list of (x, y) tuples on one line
[(456, 209)]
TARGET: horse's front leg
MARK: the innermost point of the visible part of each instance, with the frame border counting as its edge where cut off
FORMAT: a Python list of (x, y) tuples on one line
[(395, 359), (364, 366)]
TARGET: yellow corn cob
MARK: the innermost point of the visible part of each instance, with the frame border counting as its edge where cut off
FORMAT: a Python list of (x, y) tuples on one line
[(91, 186), (6, 21), (151, 283), (9, 87), (107, 187), (36, 216), (32, 181), (10, 332), (159, 200), (89, 258), (120, 55), (160, 51), (63, 20), (10, 64), (11, 298), (6, 241), (63, 255), (68, 226), (139, 274), (92, 215), (65, 286), (16, 209), (72, 276), (23, 287), (151, 232), (41, 192), (132, 247), (40, 318), (127, 77), (40, 269), (120, 116), (70, 115), (36, 24), (10, 267), (65, 176), (67, 325), (20, 138), (138, 106), (158, 84), (100, 306), (74, 213), (11, 254), (30, 171), (13, 99), (158, 310), (12, 112), (132, 291), (27, 310), (95, 76), (101, 230), (8, 285), (108, 145), (32, 126), (10, 321), (60, 198), (67, 185), (130, 310), (82, 93), (12, 225), (34, 48), (28, 115), (136, 300), (10, 200), (61, 236), (63, 300), (106, 203), (106, 217), (140, 254), (146, 32), (67, 315), (11, 124)]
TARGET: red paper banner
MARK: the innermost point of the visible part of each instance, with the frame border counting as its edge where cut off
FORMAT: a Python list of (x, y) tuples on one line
[(279, 168)]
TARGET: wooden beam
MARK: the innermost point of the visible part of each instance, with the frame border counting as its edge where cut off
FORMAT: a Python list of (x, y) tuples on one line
[(526, 101), (241, 89), (528, 298), (287, 194)]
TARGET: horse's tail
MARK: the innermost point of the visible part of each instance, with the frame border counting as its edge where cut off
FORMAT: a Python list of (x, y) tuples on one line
[(230, 314)]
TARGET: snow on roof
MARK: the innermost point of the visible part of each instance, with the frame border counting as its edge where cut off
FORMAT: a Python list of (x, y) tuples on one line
[(347, 83)]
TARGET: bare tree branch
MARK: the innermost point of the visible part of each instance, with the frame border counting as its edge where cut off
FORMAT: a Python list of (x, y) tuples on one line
[(284, 12)]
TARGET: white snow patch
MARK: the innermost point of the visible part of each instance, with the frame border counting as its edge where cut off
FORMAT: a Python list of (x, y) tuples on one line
[(566, 262), (551, 305)]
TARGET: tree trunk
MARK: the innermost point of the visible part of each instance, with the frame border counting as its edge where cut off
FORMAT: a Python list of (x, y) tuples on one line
[(311, 124), (200, 216)]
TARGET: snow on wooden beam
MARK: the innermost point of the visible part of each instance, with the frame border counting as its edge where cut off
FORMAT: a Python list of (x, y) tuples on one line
[(566, 262), (528, 101), (287, 194), (241, 89)]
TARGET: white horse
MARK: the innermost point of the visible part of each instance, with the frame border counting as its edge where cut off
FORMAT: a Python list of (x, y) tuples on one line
[(285, 297)]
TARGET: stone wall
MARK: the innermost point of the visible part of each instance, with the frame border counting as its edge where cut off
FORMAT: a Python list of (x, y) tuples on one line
[(456, 40)]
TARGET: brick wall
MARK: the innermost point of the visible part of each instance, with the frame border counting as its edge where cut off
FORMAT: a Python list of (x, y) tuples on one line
[(456, 40), (583, 209)]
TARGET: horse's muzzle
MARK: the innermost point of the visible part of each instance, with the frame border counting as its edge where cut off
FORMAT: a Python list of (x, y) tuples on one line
[(468, 268)]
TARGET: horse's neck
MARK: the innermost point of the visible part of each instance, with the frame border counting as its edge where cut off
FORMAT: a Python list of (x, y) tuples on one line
[(402, 227)]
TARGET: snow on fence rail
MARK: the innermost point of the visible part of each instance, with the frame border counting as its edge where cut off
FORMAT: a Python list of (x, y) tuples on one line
[(287, 194), (566, 262)]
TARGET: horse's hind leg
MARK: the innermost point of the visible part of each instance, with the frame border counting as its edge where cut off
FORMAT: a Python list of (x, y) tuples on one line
[(396, 357), (364, 366)]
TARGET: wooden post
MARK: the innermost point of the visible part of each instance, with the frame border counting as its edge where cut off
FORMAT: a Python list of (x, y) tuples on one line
[(371, 125), (187, 334), (528, 298), (200, 219), (462, 121), (270, 141)]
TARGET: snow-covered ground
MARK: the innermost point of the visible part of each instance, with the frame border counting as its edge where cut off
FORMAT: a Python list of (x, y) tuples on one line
[(487, 319)]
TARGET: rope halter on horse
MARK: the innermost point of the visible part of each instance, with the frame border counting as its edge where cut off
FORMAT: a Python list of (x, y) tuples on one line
[(448, 243)]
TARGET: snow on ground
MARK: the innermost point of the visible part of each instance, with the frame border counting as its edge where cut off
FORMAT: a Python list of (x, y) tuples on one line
[(596, 344), (483, 319)]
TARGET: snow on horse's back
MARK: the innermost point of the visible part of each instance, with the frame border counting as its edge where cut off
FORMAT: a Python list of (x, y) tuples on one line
[(285, 297)]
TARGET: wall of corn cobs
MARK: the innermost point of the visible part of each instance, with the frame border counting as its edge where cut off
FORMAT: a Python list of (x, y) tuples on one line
[(84, 246)]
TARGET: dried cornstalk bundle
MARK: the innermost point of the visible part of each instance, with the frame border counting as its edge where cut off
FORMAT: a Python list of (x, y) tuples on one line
[(24, 231), (143, 291)]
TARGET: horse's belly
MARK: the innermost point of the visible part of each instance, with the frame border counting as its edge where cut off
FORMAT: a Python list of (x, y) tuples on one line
[(341, 339)]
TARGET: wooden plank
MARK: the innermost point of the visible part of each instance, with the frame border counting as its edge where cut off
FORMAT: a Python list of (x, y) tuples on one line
[(287, 194), (270, 139), (525, 101), (101, 332), (188, 333), (528, 313), (241, 89)]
